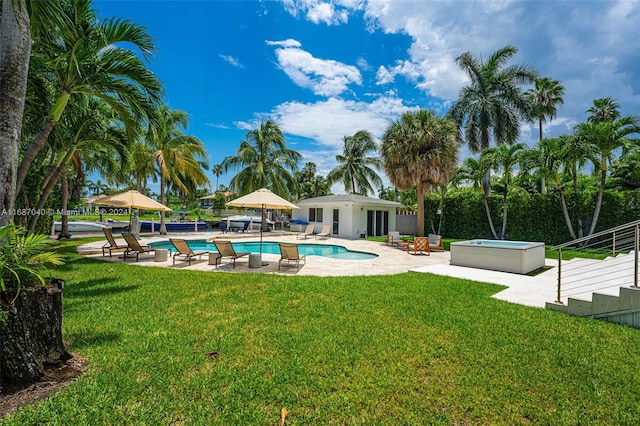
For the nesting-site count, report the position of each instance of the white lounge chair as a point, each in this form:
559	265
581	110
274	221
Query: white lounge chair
308	232
324	233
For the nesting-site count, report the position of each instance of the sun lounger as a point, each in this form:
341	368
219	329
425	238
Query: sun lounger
308	232
289	253
183	249
324	233
226	250
134	247
111	243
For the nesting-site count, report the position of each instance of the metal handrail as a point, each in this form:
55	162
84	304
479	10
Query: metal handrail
615	246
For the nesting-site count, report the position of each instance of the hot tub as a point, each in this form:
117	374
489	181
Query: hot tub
520	257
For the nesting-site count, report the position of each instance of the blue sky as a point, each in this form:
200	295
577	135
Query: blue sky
326	69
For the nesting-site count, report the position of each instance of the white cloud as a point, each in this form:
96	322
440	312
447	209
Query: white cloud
333	12
324	77
231	61
285	43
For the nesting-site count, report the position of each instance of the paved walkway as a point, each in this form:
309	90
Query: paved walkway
526	290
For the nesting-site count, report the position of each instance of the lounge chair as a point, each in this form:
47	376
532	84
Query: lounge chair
133	246
183	249
324	233
111	243
289	253
308	232
226	250
393	239
419	244
435	242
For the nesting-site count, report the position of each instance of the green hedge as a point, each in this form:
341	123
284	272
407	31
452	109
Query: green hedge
530	217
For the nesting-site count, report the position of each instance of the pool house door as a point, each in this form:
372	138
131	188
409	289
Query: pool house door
377	223
336	221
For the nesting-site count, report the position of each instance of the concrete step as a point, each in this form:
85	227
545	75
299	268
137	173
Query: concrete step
629	298
579	307
554	306
602	303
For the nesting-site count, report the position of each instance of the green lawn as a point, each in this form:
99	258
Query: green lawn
389	350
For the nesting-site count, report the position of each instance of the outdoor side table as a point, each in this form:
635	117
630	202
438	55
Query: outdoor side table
255	260
161	255
214	258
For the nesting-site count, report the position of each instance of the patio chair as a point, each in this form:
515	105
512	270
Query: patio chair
419	244
435	242
226	250
393	239
324	233
133	246
111	243
308	232
289	253
183	249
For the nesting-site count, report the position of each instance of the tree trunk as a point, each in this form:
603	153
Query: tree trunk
52	180
31	333
565	212
420	212
15	50
596	213
486	209
163	225
64	203
503	233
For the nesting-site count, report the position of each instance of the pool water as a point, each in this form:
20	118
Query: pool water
325	250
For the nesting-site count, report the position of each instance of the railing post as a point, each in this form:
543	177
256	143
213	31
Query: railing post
614	243
635	266
560	273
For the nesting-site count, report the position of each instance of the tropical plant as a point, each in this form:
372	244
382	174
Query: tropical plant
493	104
86	56
545	96
180	158
217	170
604	109
503	158
22	256
15	50
474	171
264	162
355	169
604	138
421	150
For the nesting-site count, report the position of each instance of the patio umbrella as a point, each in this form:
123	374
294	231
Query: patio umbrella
262	199
132	200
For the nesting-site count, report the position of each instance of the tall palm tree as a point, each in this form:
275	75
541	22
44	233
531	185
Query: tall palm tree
355	170
179	157
217	170
545	97
88	56
503	158
493	104
605	137
604	109
264	162
544	159
421	150
15	50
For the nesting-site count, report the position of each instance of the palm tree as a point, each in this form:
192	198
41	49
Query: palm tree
475	172
265	162
421	150
545	96
503	158
87	56
604	109
355	170
493	104
15	50
605	137
217	170
180	158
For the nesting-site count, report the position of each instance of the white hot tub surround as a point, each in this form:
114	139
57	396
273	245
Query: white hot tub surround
520	257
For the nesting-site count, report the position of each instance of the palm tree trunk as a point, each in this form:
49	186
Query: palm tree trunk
504	217
15	51
420	212
64	203
540	127
486	209
52	179
596	213
163	225
565	212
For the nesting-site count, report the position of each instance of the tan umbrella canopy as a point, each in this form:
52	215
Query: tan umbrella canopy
132	199
262	199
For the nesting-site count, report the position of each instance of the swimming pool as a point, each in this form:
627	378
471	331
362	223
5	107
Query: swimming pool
325	250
